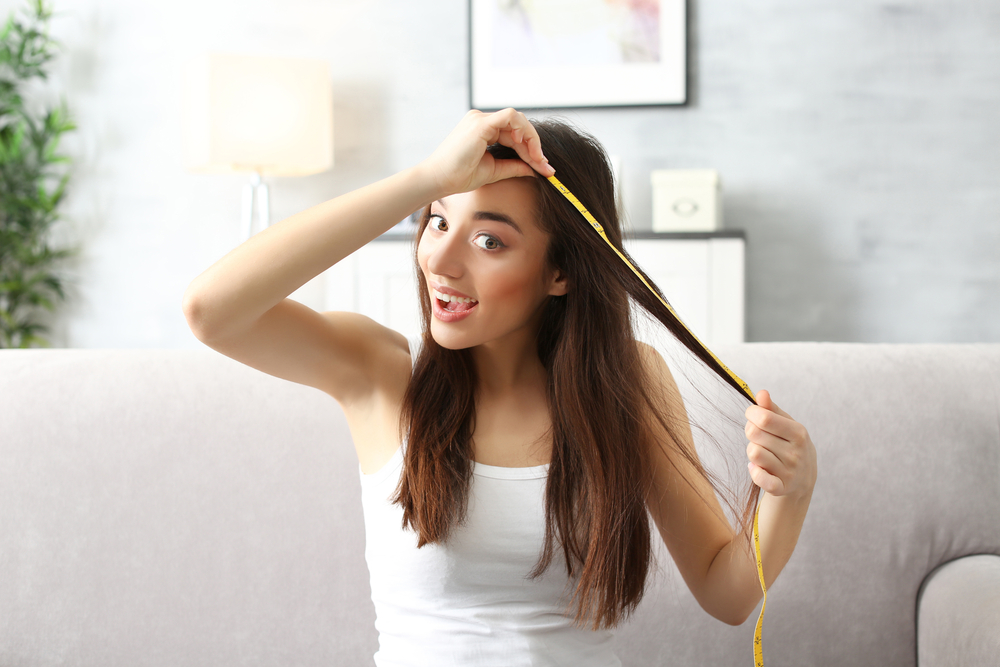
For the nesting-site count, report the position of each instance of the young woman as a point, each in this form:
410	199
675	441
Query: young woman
512	454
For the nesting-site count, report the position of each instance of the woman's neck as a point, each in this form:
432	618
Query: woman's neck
509	365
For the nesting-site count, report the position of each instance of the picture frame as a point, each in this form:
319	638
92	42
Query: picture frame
556	54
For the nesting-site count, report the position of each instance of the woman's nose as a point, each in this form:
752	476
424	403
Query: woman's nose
446	256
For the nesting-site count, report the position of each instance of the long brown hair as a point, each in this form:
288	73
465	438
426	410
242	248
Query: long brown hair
598	392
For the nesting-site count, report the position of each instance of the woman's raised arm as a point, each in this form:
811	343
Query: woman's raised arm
261	272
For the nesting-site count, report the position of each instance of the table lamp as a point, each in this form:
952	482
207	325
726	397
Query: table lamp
268	116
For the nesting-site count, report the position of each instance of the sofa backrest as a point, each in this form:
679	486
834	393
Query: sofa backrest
176	507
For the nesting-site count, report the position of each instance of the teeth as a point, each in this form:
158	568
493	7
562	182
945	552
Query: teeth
447	297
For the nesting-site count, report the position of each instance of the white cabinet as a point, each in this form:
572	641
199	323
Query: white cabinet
702	276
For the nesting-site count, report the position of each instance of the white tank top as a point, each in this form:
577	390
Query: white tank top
469	601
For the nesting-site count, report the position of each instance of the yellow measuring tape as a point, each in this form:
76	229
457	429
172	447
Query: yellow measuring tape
758	652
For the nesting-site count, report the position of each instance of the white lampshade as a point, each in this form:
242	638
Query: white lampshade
259	114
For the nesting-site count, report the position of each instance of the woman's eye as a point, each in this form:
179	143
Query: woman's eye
434	220
491	243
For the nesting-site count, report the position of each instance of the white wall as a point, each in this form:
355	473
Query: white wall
857	143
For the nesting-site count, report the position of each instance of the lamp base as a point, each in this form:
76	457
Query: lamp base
255	186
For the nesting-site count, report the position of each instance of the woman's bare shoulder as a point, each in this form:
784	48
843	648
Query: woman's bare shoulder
373	417
657	370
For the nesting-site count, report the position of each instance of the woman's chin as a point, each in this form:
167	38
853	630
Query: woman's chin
449	339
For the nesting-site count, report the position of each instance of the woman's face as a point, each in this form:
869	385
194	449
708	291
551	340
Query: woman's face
487	245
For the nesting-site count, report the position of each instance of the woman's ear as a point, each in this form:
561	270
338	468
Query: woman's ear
560	284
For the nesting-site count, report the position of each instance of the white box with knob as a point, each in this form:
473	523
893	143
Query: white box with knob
686	200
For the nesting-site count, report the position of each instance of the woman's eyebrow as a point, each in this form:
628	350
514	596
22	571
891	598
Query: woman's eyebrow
489	215
497	217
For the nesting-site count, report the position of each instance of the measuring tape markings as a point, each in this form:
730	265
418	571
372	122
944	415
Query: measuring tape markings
758	652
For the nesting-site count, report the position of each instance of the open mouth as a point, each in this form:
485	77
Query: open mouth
453	304
448	303
457	306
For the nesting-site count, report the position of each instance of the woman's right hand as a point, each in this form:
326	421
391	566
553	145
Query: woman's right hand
461	163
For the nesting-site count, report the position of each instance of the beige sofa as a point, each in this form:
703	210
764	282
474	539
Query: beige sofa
169	508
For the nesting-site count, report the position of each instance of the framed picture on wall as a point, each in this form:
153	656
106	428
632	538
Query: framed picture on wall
545	54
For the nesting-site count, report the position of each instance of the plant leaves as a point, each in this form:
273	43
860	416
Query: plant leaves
29	143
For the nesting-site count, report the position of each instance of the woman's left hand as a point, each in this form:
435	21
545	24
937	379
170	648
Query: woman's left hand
782	455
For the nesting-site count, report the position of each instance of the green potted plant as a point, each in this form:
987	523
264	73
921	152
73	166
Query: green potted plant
29	165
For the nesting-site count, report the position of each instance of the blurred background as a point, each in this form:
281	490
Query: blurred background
857	143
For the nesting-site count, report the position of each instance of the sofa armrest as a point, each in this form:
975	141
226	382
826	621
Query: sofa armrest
958	614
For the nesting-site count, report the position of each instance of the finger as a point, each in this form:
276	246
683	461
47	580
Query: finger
494	125
531	139
513	120
766	459
777	410
534	148
533	142
508	119
761	437
765	480
794	434
764	400
522	136
507	138
510	169
523	150
770	421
